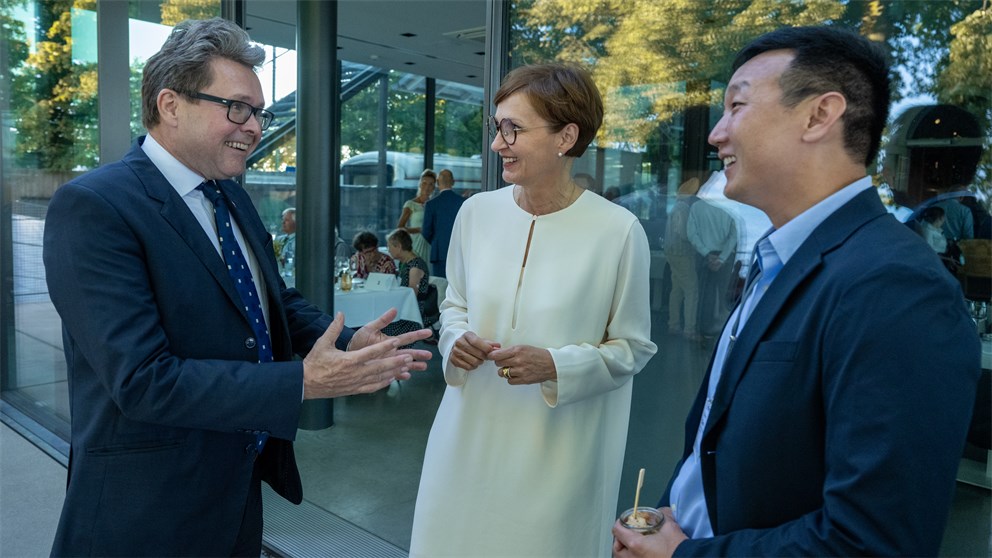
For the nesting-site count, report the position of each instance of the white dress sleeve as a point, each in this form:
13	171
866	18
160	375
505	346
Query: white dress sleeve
587	370
454	309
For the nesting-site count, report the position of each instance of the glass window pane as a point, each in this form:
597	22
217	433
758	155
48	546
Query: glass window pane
662	77
270	178
458	123
382	159
50	135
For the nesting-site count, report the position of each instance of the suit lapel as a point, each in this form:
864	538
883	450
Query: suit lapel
177	214
828	236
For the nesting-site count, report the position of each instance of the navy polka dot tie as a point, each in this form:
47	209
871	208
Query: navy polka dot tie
237	266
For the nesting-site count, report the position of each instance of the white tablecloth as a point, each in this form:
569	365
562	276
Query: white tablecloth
361	306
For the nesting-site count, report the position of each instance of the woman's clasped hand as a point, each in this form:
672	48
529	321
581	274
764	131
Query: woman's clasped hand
524	364
470	351
520	364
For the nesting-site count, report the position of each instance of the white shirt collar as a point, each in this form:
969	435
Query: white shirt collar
179	175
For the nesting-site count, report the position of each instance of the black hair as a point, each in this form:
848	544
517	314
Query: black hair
833	59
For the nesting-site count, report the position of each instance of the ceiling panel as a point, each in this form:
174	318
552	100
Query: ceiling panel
442	39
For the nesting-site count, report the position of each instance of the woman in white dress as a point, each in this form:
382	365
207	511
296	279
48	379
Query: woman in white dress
412	217
545	322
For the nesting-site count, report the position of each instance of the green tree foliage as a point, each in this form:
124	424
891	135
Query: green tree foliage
14	45
966	80
57	124
404	124
653	59
134	86
54	96
966	74
175	11
656	59
457	128
282	156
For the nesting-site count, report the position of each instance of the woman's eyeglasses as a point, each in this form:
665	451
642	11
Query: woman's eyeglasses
239	112
508	130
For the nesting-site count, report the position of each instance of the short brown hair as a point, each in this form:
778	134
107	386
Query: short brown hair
364	240
402	239
561	94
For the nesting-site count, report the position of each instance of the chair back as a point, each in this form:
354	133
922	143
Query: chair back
430	312
442	287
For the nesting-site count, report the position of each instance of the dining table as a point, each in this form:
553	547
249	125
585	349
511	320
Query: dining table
360	305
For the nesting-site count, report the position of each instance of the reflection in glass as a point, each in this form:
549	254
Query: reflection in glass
662	67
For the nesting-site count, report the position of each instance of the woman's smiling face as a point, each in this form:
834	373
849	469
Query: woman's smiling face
534	154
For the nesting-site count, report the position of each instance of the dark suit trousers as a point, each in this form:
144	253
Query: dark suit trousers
437	268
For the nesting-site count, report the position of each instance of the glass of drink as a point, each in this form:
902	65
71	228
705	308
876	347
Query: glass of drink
646	521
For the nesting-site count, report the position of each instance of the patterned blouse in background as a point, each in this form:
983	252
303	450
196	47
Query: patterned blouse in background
405	268
372	262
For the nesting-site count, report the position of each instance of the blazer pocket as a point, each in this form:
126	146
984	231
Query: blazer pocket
135	447
776	351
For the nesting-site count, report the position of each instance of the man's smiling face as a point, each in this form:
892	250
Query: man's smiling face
208	142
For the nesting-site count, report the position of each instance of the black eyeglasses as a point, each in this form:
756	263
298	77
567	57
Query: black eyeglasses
508	130
239	112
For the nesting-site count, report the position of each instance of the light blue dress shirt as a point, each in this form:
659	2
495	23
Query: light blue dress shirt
772	253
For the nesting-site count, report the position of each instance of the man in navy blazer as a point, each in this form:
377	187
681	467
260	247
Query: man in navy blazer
439	219
175	418
834	411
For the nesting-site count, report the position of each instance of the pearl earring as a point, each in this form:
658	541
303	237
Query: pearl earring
560	154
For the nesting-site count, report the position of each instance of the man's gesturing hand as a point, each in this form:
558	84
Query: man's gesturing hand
329	372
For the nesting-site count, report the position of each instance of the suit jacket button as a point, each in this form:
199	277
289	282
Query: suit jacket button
250	343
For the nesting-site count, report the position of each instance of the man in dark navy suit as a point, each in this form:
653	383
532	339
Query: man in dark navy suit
439	218
179	332
834	411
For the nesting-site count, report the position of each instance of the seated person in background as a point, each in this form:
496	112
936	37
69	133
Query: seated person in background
285	244
931	221
413	274
930	226
413	268
341	247
368	258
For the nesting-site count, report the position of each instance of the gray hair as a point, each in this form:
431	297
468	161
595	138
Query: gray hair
183	63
